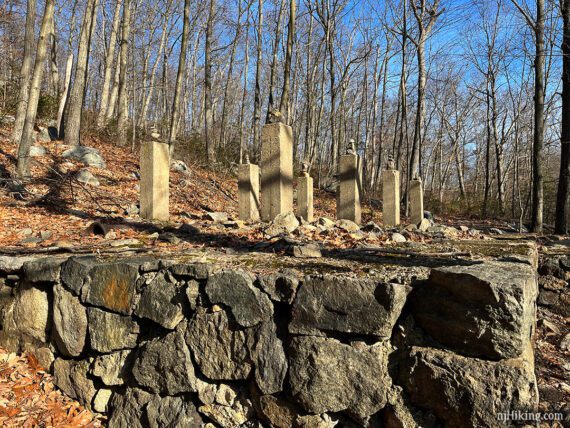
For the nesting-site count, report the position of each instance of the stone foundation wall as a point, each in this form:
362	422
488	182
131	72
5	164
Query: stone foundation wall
171	344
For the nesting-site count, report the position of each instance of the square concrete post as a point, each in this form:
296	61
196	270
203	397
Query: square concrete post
391	197
154	171
348	199
416	201
248	192
305	197
276	170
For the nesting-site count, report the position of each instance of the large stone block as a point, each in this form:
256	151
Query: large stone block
218	347
70	322
391	197
31	312
234	288
348	199
110	332
276	170
268	356
71	377
111	286
347	305
328	376
482	310
248	192
416	201
164	365
463	391
305	197
154	171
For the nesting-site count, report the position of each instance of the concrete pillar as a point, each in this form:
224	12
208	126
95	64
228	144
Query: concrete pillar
248	192
154	171
416	201
305	197
391	197
348	199
276	170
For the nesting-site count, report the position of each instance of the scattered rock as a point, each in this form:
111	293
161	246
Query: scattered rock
234	288
162	301
218	217
180	166
70	322
218	348
550	327
325	222
164	365
130	242
87	155
398	238
463	228
483	310
551	283
347	305
283	224
37	151
372	227
424	225
132	209
169	237
43	135
466	391
565	343
309	251
110	332
328	376
347	225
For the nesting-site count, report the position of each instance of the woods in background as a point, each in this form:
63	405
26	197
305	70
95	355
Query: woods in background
465	95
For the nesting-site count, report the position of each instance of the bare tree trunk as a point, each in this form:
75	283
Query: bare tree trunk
209	114
109	59
64	94
270	106
257	93
179	77
284	104
73	120
54	76
112	104
23	166
122	93
25	72
563	195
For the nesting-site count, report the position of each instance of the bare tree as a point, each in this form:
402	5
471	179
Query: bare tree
122	90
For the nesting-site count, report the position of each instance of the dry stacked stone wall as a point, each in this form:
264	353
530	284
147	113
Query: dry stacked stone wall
159	343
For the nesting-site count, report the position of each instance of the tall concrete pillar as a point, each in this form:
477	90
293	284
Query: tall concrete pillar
248	192
305	197
391	197
154	171
276	170
348	199
416	201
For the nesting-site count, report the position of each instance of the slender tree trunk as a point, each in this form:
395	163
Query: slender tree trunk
25	72
64	95
54	72
75	105
563	196
23	166
538	141
208	104
257	92
109	60
273	68
122	93
284	104
179	77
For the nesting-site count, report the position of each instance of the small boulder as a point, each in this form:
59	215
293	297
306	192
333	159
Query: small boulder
398	238
84	176
88	155
37	151
309	251
283	224
347	225
218	217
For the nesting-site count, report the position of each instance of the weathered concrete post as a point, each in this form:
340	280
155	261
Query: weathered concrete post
276	170
391	195
305	194
248	191
416	201
154	171
348	200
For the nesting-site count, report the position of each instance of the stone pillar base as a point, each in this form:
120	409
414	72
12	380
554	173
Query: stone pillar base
391	197
305	197
276	170
248	192
416	201
348	199
154	171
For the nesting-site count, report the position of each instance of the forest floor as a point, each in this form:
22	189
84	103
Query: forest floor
56	213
